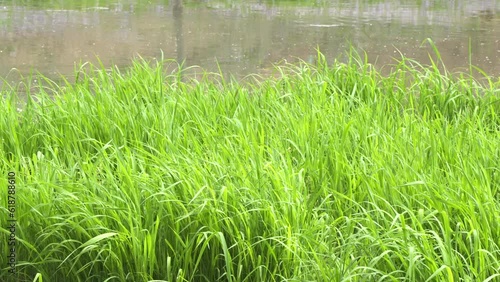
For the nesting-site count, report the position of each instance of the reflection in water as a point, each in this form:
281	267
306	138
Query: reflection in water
243	36
179	32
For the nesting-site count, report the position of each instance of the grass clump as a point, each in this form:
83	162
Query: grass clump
328	173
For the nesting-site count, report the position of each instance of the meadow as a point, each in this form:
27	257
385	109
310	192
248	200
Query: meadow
324	172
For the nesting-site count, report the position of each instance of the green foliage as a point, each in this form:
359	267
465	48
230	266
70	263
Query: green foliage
327	173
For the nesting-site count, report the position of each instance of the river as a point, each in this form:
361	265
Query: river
242	37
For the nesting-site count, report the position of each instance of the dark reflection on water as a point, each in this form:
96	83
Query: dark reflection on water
242	37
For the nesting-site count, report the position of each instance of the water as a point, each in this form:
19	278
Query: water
242	37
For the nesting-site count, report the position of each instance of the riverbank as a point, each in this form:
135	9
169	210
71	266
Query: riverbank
324	174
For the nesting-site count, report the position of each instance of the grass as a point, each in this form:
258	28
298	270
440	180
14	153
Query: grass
327	173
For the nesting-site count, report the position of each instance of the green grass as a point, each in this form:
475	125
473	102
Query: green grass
328	173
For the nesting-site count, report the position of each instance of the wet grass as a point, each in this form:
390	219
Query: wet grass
328	173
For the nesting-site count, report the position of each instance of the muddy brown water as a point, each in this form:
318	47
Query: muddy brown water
242	37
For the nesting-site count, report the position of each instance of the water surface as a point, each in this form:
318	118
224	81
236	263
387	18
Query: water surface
242	37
